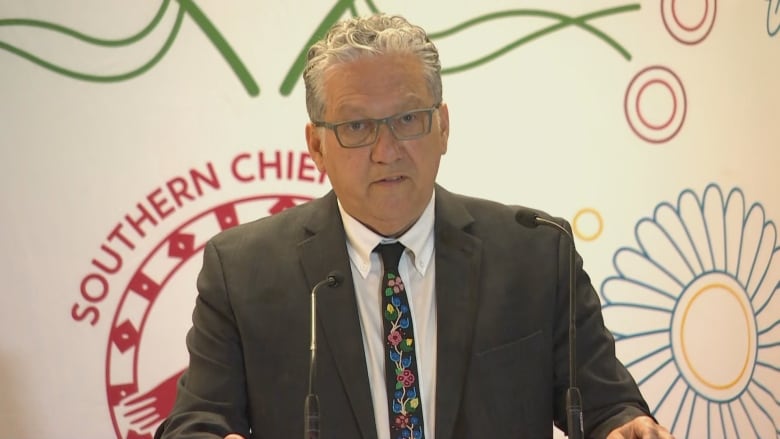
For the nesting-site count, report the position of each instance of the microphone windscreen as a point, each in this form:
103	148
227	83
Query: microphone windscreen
526	218
335	278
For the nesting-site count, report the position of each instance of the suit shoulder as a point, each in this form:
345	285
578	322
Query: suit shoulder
482	208
280	227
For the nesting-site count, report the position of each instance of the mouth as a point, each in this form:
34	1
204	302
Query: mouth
393	179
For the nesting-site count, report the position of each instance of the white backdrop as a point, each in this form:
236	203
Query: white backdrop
129	134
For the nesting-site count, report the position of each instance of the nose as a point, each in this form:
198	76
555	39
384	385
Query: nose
386	149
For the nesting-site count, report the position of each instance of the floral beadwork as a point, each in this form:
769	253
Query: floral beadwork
405	413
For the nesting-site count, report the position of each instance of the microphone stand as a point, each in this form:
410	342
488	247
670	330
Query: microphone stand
576	429
573	396
311	405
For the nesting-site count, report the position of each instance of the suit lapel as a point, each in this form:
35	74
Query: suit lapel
321	253
456	252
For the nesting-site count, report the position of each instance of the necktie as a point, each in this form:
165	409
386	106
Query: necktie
403	395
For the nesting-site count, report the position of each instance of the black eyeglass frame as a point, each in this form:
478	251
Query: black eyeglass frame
378	122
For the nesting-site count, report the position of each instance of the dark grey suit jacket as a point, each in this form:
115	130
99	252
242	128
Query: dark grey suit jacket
502	304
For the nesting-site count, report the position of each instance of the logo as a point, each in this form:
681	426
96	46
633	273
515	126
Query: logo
141	336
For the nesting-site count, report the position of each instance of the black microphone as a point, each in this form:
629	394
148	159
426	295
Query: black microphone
532	219
311	406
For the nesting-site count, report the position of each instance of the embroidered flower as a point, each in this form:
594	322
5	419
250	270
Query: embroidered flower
394	338
396	284
406	377
401	421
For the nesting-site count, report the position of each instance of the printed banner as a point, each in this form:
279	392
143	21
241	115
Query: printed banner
132	133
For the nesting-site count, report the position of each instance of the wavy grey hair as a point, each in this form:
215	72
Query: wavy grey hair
353	38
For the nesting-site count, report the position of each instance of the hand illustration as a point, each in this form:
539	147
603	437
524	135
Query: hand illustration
148	409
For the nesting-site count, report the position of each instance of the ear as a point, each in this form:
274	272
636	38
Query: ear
444	126
314	143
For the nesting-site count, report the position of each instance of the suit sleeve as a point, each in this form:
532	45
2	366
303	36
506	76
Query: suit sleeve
211	397
610	396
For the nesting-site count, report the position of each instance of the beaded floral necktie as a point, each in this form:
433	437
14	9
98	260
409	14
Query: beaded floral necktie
403	389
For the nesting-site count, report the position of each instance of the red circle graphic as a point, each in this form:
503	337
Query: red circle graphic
635	111
646	122
687	34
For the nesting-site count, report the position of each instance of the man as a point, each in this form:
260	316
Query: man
487	353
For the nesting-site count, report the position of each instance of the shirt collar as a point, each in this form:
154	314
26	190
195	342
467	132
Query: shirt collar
418	240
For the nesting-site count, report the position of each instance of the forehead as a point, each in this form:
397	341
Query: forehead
375	86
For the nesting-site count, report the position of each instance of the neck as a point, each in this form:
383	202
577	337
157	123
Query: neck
391	230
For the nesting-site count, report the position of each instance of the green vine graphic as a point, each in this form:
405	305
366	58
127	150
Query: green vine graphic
561	22
185	7
342	7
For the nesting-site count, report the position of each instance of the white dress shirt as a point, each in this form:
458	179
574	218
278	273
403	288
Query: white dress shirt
417	268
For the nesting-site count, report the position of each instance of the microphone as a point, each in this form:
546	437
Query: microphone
311	406
531	220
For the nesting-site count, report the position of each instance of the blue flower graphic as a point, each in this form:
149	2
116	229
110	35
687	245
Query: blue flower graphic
695	316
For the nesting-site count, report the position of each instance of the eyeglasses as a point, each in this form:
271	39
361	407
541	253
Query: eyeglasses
363	132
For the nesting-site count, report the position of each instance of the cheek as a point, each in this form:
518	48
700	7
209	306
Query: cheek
329	157
344	165
429	162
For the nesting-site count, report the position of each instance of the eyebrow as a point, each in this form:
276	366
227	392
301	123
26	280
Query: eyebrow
407	100
411	104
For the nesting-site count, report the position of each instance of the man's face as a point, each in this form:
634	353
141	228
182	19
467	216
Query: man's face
388	184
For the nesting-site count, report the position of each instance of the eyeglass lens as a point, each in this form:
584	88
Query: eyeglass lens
404	127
